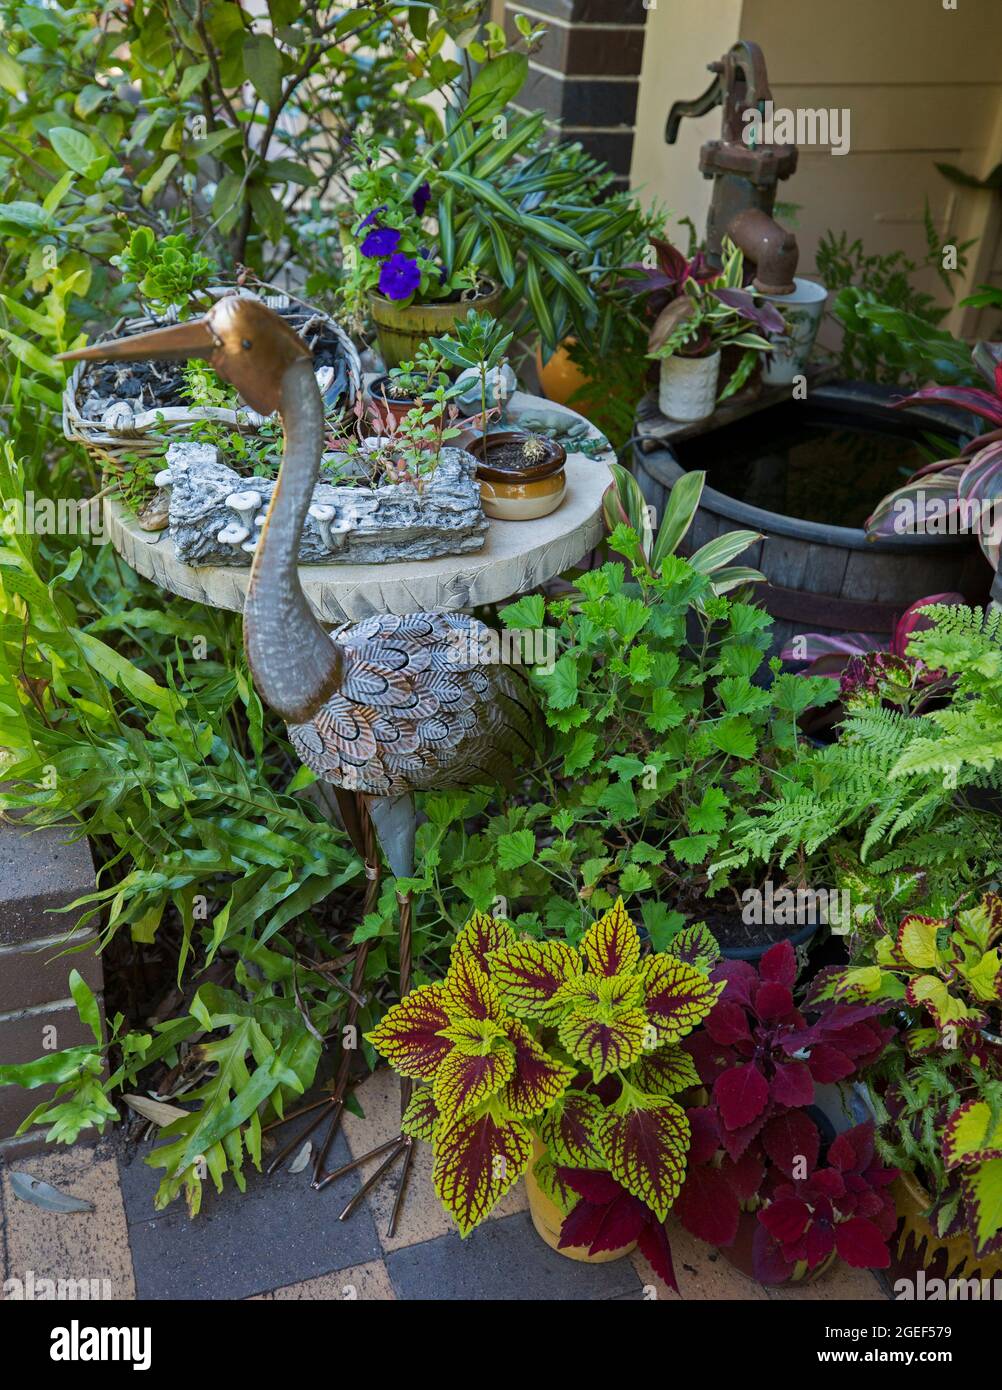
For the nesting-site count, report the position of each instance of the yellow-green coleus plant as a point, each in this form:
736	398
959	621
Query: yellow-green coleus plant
950	968
575	1048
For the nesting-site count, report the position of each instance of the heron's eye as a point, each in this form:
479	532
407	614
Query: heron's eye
247	345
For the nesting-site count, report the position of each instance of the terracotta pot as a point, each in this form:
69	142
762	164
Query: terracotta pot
402	328
739	1255
560	377
548	1221
378	392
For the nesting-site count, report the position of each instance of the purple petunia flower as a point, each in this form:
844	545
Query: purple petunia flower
381	241
421	198
399	277
370	218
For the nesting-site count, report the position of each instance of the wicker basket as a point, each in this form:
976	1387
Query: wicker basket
147	432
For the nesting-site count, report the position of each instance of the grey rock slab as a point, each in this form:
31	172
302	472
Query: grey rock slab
277	1233
506	1260
516	557
216	513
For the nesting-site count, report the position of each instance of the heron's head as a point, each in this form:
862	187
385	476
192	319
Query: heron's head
247	344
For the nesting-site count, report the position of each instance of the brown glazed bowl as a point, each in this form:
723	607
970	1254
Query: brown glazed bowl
518	493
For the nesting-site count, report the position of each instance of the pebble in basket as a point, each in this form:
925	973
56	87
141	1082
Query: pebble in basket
134	410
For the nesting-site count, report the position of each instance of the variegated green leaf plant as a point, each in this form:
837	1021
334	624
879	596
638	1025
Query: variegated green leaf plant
532	1047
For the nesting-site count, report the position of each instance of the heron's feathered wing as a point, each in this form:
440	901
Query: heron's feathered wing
421	706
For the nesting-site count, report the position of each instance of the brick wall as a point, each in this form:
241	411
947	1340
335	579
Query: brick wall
39	871
586	73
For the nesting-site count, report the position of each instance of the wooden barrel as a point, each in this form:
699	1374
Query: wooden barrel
826	578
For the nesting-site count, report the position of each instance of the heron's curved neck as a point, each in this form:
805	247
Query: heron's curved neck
295	665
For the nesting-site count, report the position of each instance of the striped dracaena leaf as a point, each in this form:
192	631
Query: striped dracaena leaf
483	934
422	1115
907	510
677	996
647	1149
467	991
604	1040
537	1080
478	1157
528	975
611	945
475	1069
409	1036
571	1131
665	1072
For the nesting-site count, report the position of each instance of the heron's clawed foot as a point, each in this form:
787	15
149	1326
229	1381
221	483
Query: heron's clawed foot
401	1147
331	1108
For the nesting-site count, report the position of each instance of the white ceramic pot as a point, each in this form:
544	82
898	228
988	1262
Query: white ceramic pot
803	311
689	387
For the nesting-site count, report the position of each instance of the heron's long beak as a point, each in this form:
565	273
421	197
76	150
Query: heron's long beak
177	343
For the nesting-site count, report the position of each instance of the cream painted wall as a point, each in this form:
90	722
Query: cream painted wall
676	52
922	84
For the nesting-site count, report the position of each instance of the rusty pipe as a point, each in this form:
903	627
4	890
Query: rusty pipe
772	248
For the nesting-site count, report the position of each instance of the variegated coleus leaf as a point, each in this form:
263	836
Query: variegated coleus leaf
547	1174
647	1150
929	992
483	934
478	1157
982	1189
665	1072
409	1035
467	990
571	1131
482	1060
696	945
604	1040
528	975
537	1080
611	946
421	1116
595	994
971	1137
677	996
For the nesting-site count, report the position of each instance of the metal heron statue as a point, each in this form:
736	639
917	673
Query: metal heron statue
380	708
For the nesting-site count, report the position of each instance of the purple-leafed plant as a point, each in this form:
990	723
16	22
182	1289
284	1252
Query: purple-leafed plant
759	1059
955	493
872	670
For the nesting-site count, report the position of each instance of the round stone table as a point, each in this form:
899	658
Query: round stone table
516	556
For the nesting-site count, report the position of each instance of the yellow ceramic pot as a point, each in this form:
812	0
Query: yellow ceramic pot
912	1202
523	501
402	328
548	1221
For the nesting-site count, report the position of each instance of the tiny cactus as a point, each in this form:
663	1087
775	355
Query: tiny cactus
534	450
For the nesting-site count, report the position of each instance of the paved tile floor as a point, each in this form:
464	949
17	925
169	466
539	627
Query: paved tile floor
283	1241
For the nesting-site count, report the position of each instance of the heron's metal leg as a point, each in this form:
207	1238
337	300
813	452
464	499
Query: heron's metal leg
402	1146
332	1107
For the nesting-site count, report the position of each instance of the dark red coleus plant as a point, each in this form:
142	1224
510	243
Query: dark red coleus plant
845	1208
759	1058
607	1217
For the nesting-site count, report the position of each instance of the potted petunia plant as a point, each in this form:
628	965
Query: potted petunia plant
494	215
560	1063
